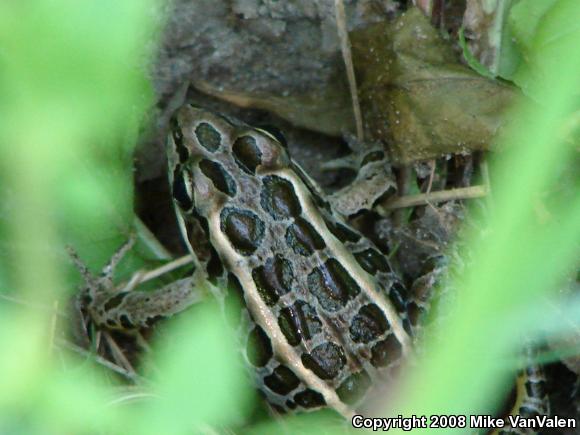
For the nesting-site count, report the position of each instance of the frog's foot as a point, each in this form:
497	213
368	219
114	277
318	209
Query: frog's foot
374	180
94	285
531	398
350	162
353	160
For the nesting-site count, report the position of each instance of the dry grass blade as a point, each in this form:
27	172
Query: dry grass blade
347	56
119	356
471	192
166	268
100	360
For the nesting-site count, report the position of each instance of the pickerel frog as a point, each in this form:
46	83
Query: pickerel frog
324	314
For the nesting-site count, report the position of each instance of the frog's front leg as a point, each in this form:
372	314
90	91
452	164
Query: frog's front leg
132	310
112	307
374	179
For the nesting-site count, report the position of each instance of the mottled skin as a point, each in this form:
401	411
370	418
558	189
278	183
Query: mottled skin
324	315
324	308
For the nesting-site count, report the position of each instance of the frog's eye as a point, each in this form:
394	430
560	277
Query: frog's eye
273	133
182	188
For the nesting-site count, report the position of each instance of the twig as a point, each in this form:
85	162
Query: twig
150	240
485	175
347	57
433	197
34	305
120	358
426	6
403	177
433	164
141	277
53	322
133	397
100	360
486	183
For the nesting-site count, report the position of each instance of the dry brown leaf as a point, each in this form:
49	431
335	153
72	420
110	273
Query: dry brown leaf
418	98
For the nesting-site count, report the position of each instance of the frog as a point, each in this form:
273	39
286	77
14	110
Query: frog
321	314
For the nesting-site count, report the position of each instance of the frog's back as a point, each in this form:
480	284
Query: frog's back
324	312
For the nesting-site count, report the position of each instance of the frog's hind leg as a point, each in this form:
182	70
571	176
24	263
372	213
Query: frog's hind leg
133	310
374	180
122	308
108	272
531	387
531	399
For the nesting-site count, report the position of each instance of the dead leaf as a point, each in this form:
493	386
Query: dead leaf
417	97
327	109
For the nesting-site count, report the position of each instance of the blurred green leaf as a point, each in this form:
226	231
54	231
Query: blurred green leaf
202	380
320	422
535	26
517	255
525	17
73	89
470	58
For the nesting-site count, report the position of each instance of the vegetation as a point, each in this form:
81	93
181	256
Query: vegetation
73	95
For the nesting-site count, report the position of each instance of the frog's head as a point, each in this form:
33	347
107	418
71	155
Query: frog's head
212	158
220	172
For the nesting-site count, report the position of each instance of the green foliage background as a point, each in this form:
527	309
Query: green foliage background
73	93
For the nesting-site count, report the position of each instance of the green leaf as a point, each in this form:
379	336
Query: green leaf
470	58
201	378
